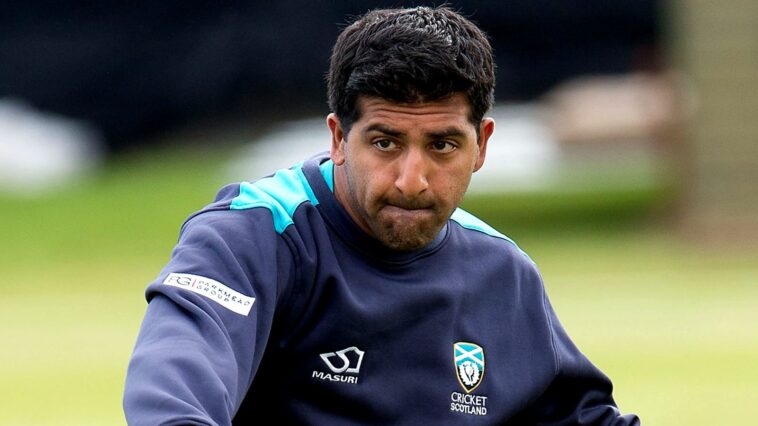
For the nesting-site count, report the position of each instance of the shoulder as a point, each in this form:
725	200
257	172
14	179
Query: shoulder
281	193
270	201
479	233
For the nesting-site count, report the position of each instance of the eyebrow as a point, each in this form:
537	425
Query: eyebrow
446	133
381	128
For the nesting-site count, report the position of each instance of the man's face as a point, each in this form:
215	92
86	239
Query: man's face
403	168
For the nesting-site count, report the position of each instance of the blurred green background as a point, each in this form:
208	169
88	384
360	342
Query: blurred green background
672	322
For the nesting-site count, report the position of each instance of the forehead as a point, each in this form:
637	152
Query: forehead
452	110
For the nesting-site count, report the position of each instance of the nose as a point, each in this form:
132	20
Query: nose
412	176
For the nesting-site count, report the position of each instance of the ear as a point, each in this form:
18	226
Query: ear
338	139
486	128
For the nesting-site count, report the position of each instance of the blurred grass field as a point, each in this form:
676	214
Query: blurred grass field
675	325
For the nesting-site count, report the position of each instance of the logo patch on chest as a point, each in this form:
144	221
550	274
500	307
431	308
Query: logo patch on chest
469	364
344	365
468	360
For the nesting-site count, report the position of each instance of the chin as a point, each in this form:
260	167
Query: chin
406	245
407	240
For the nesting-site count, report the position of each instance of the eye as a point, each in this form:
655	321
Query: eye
443	147
385	144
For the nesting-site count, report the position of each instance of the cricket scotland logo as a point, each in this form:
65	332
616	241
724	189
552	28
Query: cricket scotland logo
469	364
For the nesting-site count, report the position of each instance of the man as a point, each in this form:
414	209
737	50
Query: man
350	289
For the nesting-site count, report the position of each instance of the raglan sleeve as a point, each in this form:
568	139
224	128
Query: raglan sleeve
208	319
579	394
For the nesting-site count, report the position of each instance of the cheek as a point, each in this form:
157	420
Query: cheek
373	181
376	188
455	185
363	187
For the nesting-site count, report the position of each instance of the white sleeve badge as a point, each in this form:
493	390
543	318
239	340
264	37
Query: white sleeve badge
212	289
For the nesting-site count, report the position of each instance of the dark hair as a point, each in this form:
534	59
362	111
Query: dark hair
410	55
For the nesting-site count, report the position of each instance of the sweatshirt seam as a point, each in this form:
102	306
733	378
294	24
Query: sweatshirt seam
556	356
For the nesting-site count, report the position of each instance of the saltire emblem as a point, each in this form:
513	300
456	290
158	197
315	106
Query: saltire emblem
469	364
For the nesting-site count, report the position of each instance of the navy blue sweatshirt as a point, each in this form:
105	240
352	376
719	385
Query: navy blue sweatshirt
275	303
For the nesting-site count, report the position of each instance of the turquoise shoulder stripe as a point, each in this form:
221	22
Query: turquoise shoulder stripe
281	193
327	170
469	221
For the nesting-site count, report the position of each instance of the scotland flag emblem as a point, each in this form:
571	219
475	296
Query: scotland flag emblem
469	364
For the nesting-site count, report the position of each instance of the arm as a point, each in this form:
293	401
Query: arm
196	353
579	394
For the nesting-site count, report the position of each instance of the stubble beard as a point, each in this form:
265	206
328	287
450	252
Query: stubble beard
400	231
407	234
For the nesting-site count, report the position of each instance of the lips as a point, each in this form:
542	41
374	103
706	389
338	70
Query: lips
411	205
409	208
406	213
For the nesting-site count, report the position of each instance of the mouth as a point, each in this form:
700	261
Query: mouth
410	205
408	208
409	212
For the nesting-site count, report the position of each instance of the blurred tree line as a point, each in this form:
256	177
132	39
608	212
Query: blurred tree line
138	68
